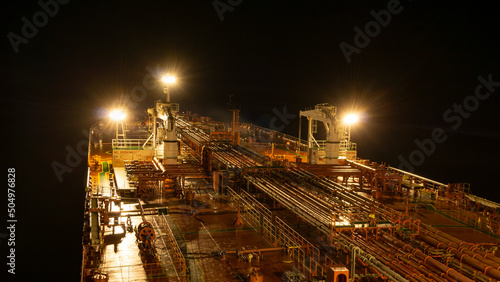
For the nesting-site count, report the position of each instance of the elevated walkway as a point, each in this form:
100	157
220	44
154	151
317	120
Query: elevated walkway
123	186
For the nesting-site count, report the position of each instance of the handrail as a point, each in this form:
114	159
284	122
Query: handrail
144	145
175	246
131	144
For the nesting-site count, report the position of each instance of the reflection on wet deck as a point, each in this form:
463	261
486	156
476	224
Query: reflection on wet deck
122	259
199	238
121	256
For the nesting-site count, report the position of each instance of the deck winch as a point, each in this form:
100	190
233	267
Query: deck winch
145	233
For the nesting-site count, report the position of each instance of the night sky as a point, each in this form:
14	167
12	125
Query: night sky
413	70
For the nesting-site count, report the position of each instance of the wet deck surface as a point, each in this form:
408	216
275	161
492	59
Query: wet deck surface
121	257
122	261
201	239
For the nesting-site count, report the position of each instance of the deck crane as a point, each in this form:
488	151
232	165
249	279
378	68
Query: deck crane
327	114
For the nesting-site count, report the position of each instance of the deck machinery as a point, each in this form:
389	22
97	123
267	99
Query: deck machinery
318	218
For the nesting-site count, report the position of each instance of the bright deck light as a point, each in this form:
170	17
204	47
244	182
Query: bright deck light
350	119
117	115
168	79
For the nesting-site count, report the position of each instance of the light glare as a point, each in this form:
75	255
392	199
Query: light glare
350	119
168	79
117	115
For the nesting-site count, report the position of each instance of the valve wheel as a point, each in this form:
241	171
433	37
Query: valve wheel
146	229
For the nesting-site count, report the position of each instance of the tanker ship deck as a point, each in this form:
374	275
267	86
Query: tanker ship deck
214	202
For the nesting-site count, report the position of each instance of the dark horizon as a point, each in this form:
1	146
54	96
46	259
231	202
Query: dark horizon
423	61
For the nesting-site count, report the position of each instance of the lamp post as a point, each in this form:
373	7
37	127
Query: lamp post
168	80
117	116
349	120
166	112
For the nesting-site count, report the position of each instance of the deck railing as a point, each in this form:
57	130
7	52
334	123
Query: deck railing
299	250
132	144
